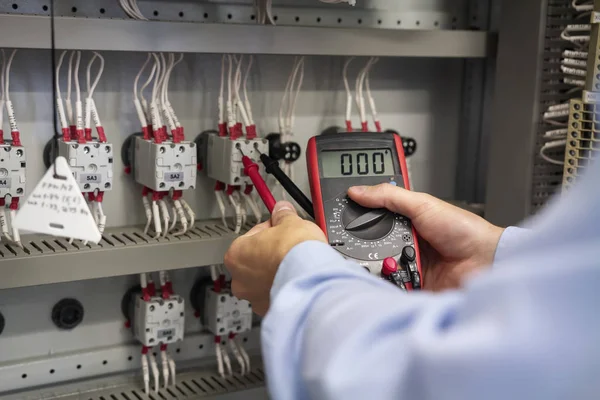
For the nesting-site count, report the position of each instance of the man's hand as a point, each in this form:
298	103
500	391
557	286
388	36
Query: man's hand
254	258
454	243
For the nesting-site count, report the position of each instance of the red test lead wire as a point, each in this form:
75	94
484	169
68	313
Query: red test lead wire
251	169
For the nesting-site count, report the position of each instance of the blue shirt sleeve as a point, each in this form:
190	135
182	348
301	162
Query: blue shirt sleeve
508	242
335	332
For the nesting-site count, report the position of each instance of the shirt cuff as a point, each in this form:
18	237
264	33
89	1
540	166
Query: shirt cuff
510	238
304	259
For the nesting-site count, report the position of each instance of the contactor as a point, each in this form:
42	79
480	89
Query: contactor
12	170
225	313
91	164
165	166
158	321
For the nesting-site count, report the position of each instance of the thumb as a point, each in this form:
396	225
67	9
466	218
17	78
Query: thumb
398	200
282	211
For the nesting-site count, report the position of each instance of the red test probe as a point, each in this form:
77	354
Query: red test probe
251	169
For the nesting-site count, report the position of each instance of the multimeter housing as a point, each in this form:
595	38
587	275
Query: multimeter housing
365	236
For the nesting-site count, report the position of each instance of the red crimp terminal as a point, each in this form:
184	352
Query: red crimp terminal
217	339
217	286
231	189
156	196
80	136
100	197
378	126
365	126
200	167
164	292
251	169
181	133
127	324
163	347
16	138
2	202
145	294
151	289
101	134
66	134
14	203
145	349
145	133
177	194
219	186
91	196
249	189
127	170
223	129
251	132
390	266
88	134
1	136
175	135
231	335
349	126
145	191
73	129
169	287
156	134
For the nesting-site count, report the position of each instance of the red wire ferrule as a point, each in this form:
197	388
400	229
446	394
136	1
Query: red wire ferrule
248	189
217	339
163	347
378	126
145	294
156	196
91	196
365	126
223	129
151	289
145	133
251	132
145	191
1	136
14	203
145	350
349	126
177	194
231	189
16	138
88	134
73	129
156	134
181	133
231	335
219	186
100	197
2	202
66	132
169	287
101	134
80	136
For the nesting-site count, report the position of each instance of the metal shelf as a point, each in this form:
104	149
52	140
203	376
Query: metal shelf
122	251
128	35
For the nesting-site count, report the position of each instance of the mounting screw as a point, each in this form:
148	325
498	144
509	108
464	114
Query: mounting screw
107	185
151	308
86	149
107	149
20	153
162	150
20	191
170	306
161	185
86	186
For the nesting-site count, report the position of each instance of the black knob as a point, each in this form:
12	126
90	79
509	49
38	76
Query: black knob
67	314
366	223
409	254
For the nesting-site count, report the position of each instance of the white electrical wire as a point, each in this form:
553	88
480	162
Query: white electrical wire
68	102
146	373
191	215
59	102
348	92
238	356
156	219
219	355
370	98
246	99
221	203
238	214
244	353
226	360
173	369
551	145
582	6
165	215
164	358
155	373
78	104
182	218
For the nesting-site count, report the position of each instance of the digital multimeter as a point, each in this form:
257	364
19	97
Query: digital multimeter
339	161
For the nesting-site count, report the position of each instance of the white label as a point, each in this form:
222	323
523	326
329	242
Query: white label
57	207
90	178
595	17
591	97
173	176
5	183
165	333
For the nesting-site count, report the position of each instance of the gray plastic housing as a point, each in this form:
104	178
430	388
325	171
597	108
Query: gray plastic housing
158	321
224	158
165	166
13	161
224	313
91	164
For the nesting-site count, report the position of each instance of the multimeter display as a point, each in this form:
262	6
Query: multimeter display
356	163
339	161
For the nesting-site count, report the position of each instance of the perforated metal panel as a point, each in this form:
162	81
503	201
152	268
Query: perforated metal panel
190	386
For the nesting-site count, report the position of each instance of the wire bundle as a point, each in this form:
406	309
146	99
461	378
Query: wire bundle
264	12
5	102
132	10
235	114
362	83
159	124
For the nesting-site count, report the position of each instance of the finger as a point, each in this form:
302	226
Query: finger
258	229
282	211
401	201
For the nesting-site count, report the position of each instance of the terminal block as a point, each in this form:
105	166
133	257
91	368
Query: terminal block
91	164
583	139
222	157
225	313
164	166
12	170
158	321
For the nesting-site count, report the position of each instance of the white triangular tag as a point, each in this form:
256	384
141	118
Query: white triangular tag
56	207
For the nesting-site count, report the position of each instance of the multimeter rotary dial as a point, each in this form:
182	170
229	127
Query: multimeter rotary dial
365	223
